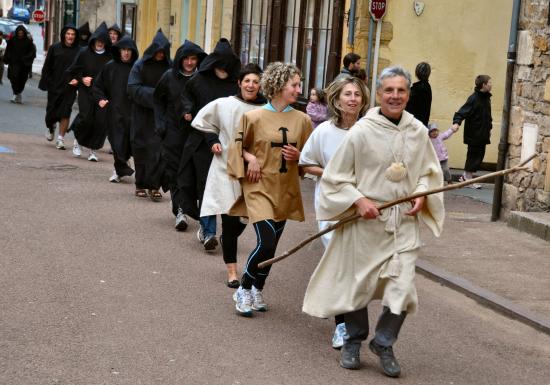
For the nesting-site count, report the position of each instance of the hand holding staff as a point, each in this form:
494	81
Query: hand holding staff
353	217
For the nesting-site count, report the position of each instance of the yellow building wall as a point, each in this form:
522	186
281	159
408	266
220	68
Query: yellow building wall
460	40
152	15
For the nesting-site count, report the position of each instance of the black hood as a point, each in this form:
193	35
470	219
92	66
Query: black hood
101	33
84	30
224	58
65	29
159	43
25	32
116	28
125	42
188	48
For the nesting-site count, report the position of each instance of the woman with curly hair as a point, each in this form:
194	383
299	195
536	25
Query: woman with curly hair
264	158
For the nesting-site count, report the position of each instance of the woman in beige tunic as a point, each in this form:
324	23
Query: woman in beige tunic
264	158
386	155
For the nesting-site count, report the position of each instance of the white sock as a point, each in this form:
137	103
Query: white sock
59	137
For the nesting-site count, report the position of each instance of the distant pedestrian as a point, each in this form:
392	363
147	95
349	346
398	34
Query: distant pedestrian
477	129
420	101
352	64
90	125
19	56
3	46
146	141
317	108
440	149
84	34
109	91
55	80
115	33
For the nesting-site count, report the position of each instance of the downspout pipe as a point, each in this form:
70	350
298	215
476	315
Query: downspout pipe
505	124
351	22
369	53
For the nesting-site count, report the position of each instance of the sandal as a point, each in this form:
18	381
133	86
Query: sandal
141	193
156	196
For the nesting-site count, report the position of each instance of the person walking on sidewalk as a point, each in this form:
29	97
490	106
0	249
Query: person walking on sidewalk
386	155
55	81
420	102
19	56
352	64
477	129
440	149
109	92
3	46
264	158
146	142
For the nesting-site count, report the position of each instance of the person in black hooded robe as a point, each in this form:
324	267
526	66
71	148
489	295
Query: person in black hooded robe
145	140
84	34
216	78
169	119
90	125
55	81
109	91
115	33
19	55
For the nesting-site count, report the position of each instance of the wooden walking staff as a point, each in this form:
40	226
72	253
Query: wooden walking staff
353	217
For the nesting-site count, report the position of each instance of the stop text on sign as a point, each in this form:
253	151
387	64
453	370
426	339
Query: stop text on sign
377	9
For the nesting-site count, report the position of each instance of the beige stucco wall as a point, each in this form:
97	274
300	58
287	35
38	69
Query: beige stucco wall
96	11
460	39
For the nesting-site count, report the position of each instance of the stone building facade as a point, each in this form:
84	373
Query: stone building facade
530	112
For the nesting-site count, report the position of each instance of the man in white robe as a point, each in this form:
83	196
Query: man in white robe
386	155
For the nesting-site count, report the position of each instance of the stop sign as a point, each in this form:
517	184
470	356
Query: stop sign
38	16
377	9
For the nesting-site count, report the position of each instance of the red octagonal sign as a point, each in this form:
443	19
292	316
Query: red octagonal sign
38	16
377	9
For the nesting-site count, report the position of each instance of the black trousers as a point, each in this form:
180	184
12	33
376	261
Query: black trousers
232	227
474	157
268	233
18	76
387	328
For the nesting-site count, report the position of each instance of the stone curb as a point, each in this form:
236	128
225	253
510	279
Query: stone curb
537	224
483	296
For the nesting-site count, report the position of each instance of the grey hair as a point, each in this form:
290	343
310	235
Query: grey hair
391	72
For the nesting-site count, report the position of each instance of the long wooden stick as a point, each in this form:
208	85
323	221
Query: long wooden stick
353	217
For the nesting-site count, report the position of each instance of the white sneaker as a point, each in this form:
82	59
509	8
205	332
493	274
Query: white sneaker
258	302
200	235
93	157
243	301
50	133
14	99
115	178
77	151
181	221
60	144
338	337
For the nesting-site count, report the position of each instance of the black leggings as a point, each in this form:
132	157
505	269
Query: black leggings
268	233
232	227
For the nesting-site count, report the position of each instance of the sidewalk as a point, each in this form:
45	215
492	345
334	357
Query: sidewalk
489	261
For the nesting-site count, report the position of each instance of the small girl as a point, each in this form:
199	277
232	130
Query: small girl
317	107
440	149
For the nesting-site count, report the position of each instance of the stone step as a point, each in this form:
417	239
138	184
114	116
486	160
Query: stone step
534	223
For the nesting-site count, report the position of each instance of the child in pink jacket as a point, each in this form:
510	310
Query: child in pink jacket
440	149
317	107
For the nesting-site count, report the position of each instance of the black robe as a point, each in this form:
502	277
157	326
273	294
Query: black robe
169	117
200	90
420	101
19	56
110	85
90	125
55	80
84	35
145	140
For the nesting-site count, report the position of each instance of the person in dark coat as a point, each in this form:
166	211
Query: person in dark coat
115	33
90	125
216	78
477	129
169	119
55	81
109	92
84	34
420	101
145	140
19	55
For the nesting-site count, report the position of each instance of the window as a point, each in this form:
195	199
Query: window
129	20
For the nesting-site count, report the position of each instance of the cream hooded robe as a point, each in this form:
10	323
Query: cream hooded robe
374	259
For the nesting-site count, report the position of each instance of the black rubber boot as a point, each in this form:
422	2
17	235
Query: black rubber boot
388	362
349	356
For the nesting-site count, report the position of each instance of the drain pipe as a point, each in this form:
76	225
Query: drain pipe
351	23
369	53
505	124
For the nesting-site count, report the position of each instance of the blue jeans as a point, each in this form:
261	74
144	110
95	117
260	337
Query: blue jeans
208	225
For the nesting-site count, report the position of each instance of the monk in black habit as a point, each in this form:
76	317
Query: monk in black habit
169	119
84	34
19	55
90	125
115	33
109	91
146	141
216	78
55	81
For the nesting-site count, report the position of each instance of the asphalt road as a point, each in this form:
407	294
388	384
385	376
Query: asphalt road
97	288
